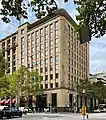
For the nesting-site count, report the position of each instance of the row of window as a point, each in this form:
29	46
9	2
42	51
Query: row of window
51	85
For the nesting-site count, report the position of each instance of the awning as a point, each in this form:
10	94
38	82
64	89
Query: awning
2	101
14	100
7	101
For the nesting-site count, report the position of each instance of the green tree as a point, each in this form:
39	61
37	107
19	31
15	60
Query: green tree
21	83
32	85
96	89
92	13
99	90
4	85
2	65
18	8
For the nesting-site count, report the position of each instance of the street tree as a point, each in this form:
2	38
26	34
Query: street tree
2	65
95	90
4	85
92	13
32	85
22	83
18	8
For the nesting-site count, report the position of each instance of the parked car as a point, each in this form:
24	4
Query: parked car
2	107
11	112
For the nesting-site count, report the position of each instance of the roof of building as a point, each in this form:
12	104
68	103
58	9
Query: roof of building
59	12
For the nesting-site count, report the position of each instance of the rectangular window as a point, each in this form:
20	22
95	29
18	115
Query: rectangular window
28	44
51	68
37	41
37	63
51	43
46	69
37	33
46	38
46	53
32	36
41	54
57	49
37	56
8	58
22	40
37	48
68	77
56	25
57	59
29	58
51	76
22	47
57	41
57	67
32	43
51	36
28	51
56	75
41	46
46	86
46	44
32	50
51	28
57	84
51	85
46	61
22	53
56	34
14	56
41	70
22	31
28	37
51	59
46	77
22	60
41	32
51	51
28	65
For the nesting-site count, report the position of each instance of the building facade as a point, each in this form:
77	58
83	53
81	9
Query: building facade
52	47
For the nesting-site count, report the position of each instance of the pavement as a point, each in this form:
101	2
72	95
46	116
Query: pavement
61	116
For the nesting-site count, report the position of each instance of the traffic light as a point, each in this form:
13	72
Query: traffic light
65	0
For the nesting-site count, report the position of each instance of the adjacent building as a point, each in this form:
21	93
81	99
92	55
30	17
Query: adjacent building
52	47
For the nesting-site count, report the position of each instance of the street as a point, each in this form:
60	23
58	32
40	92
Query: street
65	116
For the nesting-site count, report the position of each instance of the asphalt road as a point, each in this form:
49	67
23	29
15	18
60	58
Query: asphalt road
96	116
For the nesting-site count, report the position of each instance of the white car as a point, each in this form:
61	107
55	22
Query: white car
2	107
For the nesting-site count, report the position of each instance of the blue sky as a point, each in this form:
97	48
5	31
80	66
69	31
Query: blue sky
97	46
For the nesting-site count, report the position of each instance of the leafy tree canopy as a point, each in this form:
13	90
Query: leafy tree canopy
92	13
95	89
2	65
18	8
